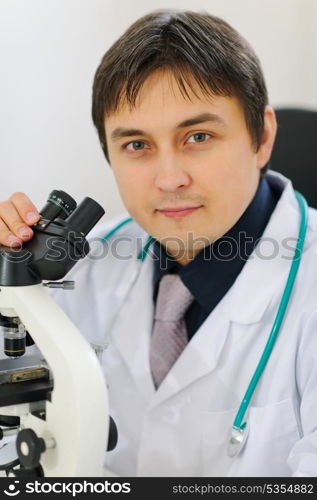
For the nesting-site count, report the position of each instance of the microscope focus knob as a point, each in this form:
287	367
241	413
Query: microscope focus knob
36	472
113	435
29	448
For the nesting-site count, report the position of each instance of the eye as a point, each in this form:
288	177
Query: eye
136	146
198	137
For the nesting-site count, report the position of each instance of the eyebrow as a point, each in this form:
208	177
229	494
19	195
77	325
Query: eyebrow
120	132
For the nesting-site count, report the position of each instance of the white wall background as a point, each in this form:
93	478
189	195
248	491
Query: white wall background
49	50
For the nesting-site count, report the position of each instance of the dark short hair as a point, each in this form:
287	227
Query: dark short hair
191	45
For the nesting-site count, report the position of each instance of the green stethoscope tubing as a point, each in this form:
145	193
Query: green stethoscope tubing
143	253
237	424
238	421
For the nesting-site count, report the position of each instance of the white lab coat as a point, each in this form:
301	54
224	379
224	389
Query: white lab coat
182	429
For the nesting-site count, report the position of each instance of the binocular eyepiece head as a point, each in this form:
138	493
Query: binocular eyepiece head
58	242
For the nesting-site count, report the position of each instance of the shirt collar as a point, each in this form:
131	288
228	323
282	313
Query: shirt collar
215	268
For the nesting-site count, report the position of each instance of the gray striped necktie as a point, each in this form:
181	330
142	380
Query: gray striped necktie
169	336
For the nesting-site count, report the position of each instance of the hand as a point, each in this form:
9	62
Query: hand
17	214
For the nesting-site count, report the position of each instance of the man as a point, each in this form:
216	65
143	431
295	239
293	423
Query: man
181	109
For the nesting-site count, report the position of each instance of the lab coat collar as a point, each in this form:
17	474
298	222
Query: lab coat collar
269	264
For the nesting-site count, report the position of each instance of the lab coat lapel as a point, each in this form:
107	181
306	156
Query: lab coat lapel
131	332
268	267
199	357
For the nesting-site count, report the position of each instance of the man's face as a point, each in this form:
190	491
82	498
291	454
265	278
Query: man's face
186	169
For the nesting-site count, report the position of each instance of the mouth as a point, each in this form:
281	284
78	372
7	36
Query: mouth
178	212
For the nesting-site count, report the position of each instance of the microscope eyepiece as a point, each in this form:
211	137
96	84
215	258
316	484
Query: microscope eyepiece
85	216
59	204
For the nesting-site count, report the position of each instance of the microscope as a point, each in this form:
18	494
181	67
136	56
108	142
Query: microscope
54	418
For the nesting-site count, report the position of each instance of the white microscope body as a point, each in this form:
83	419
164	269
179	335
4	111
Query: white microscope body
76	424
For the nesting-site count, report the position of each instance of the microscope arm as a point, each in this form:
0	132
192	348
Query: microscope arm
77	419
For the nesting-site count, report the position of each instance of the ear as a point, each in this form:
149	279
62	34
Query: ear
268	137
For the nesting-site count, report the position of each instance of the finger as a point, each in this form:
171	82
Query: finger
6	237
26	209
13	221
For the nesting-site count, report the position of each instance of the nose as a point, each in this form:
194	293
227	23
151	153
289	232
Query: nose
170	174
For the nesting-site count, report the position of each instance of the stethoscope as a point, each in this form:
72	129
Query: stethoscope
240	430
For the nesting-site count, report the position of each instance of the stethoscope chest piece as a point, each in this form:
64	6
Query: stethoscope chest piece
237	440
